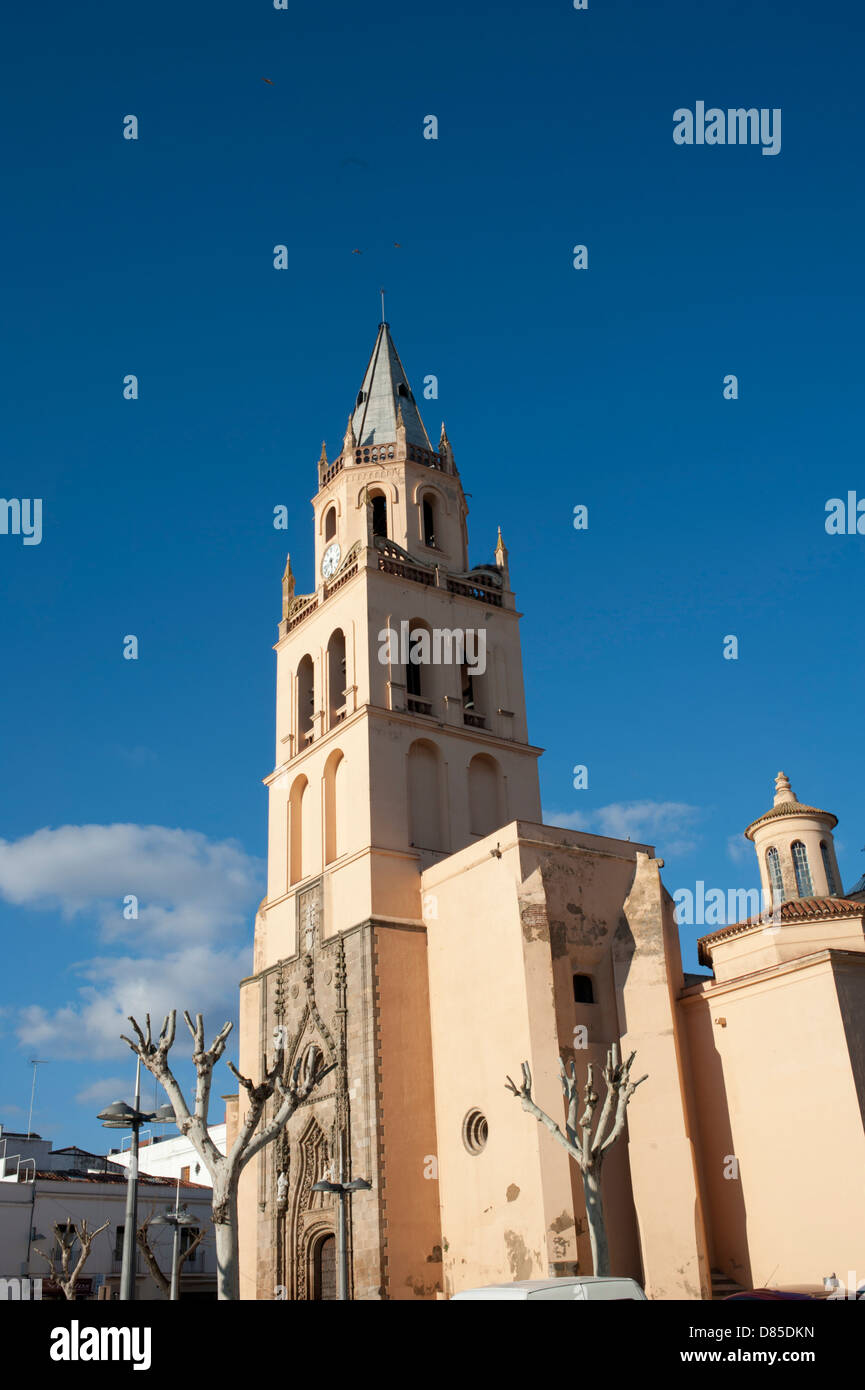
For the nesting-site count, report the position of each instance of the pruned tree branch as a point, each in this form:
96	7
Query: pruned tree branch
143	1242
67	1280
190	1249
525	1094
585	1148
162	1280
225	1169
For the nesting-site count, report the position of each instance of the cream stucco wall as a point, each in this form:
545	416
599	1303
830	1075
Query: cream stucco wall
778	1094
506	935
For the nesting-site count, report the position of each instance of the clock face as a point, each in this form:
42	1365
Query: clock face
330	559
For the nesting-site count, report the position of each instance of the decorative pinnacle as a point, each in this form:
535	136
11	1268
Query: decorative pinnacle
323	455
783	790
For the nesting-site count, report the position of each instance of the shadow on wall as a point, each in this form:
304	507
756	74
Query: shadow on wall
727	1222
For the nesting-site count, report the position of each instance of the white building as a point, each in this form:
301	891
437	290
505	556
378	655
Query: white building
42	1189
172	1156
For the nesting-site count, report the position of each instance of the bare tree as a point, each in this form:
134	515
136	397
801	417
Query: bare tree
225	1169
162	1281
588	1151
66	1237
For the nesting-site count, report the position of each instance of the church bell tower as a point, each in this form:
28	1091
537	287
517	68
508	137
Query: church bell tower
400	738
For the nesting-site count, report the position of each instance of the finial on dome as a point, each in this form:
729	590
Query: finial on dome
783	790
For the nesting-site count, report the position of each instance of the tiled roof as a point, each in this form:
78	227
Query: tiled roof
796	910
790	808
144	1179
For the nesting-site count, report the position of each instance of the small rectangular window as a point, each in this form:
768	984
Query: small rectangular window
583	991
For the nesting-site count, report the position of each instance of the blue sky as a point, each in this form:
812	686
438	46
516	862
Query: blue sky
559	387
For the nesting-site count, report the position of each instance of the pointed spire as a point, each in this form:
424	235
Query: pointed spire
287	587
349	443
445	451
385	392
323	455
502	559
783	790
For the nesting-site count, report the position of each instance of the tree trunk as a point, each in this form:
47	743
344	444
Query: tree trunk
225	1231
595	1216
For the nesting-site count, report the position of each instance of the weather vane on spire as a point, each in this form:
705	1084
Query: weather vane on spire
382	303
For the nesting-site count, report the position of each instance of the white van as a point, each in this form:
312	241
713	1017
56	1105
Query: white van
586	1290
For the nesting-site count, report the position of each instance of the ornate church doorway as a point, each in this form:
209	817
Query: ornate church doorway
324	1269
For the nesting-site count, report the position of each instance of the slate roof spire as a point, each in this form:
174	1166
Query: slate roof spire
384	394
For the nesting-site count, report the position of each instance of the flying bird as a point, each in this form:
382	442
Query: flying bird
268	81
355	252
397	243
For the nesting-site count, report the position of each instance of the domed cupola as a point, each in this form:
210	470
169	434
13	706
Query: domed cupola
795	848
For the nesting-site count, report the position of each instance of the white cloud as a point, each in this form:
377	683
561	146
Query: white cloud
567	820
194	930
200	978
739	849
103	1092
669	825
187	886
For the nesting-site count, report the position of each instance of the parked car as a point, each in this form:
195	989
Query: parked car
581	1290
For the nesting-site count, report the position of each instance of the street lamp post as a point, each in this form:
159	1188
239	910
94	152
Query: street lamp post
34	1062
178	1218
122	1116
343	1190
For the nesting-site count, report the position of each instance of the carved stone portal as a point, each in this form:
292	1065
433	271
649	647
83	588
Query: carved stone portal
311	1215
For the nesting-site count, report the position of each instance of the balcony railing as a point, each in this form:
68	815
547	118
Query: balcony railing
389	562
383	453
478	591
416	704
342	578
375	453
330	473
405	571
301	612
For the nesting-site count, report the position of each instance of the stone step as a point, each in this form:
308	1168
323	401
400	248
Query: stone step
723	1285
